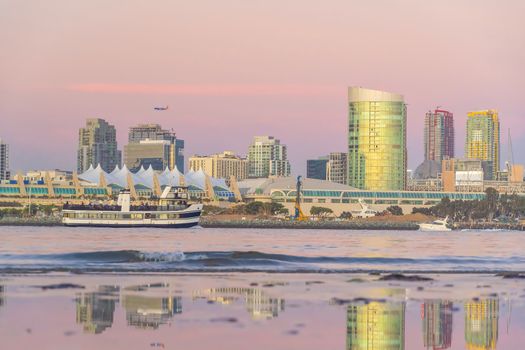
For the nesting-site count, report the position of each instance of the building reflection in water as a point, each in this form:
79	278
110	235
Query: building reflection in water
258	304
437	324
2	300
149	312
95	309
377	325
481	324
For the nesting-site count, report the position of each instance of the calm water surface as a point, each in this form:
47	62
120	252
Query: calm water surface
259	311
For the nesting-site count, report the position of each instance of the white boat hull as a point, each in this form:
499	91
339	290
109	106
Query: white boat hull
434	228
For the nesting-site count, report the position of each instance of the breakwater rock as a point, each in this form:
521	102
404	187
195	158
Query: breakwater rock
31	221
318	225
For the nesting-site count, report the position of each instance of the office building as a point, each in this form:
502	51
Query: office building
267	157
316	168
221	165
439	135
150	145
438	142
4	161
97	144
377	154
337	169
483	139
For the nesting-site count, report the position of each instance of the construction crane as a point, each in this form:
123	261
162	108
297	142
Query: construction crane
510	156
299	215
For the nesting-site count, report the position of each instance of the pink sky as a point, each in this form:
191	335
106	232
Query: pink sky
233	69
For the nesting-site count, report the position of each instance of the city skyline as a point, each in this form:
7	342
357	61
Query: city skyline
54	81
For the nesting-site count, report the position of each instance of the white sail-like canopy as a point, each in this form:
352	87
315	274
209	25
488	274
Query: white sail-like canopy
145	178
196	179
170	177
92	175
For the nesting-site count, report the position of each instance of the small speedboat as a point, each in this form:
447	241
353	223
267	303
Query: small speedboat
437	226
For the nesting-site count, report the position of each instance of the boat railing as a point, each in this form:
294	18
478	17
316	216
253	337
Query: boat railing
106	207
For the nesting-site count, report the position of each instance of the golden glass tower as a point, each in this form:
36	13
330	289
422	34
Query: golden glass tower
483	141
377	154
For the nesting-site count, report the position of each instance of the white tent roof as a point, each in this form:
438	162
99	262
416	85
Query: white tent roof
144	177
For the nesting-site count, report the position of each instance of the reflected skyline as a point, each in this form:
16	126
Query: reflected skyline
437	324
481	324
150	312
258	304
376	326
2	301
95	310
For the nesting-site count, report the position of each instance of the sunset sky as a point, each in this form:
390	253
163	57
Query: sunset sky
232	69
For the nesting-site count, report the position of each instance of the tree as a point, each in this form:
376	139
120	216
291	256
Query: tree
320	211
491	202
424	211
395	210
346	215
254	208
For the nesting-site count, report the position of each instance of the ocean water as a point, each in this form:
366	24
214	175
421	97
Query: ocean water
233	289
62	249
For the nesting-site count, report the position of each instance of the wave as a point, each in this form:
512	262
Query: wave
245	259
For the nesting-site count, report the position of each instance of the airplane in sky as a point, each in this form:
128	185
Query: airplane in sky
161	108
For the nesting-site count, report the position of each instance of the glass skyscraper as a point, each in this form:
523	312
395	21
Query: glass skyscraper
483	139
377	155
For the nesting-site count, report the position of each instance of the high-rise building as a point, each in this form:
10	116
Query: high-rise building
316	168
221	165
483	138
376	325
4	161
337	169
97	144
149	144
377	154
437	324
439	135
267	157
481	324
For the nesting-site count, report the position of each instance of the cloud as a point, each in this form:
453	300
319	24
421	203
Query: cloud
209	89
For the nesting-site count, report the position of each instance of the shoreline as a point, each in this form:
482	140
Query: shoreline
207	222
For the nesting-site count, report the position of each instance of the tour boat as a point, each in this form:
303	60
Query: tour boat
172	211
